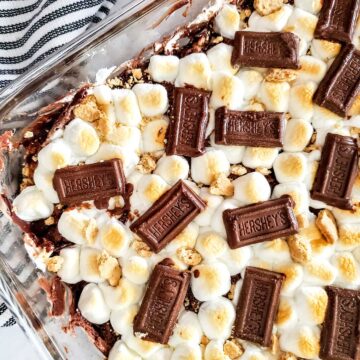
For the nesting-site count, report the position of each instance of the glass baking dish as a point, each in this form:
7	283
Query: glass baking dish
118	38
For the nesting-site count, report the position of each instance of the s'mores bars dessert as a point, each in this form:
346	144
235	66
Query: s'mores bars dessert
204	202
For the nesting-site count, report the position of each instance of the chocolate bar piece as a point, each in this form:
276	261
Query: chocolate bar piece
337	171
102	180
168	216
162	303
250	128
337	20
186	134
266	49
341	84
340	335
258	305
260	222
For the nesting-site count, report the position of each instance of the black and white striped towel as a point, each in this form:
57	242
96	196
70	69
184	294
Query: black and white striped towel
30	30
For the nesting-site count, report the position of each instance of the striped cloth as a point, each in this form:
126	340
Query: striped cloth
30	30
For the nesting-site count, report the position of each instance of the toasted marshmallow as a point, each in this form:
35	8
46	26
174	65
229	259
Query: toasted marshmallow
126	107
81	137
256	157
311	69
187	351
297	135
154	135
210	281
302	23
312	6
323	118
233	153
227	21
120	352
227	91
187	330
172	168
162	354
89	268
294	277
300	104
251	188
163	68
212	202
205	168
136	269
324	50
215	351
348	270
251	80
298	193
92	305
187	238
236	259
122	320
70	269
289	167
275	21
319	272
72	226
142	347
346	216
103	94
194	69
274	251
217	317
152	99
43	180
217	222
275	95
302	341
127	136
211	245
220	58
55	155
349	236
287	316
124	295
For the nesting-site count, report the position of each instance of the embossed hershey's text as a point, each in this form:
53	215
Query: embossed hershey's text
261	47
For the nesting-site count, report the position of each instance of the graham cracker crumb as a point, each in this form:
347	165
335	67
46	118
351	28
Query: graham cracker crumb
88	109
49	221
326	223
263	171
231	293
54	263
147	164
300	249
275	346
115	82
287	356
109	268
189	256
90	231
204	340
137	73
302	221
233	349
141	248
280	75
238	170
222	186
266	7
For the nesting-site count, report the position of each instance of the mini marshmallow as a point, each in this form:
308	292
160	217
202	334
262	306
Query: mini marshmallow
233	153
348	270
311	69
103	95
152	99
126	136
187	351
324	118
126	107
212	202
302	341
274	251
275	21
215	351
251	80
89	268
321	248
216	318
302	23
164	68
256	157
349	236
187	330
220	58
92	305
194	69
298	133
43	180
187	238
275	95
153	135
162	354
31	205
210	280
205	168
211	245
81	137
142	347
122	320
294	277
324	50
252	353
120	352
251	188
298	193
312	6
236	259
55	155
217	222
300	104
70	269
287	316
72	226
136	269
319	272
347	216
290	167
227	21
172	168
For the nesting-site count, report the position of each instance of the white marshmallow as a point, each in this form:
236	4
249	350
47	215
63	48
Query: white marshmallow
253	353
122	320
126	136
136	269
205	168
153	135
319	272
142	347
216	318
302	23
287	316
163	68
220	58
212	202
311	69
227	21
312	6
209	281
324	118
187	330
348	270
324	50
172	168
126	107
256	157
275	251
72	225
251	188
92	305
211	245
289	167
81	137
103	94
121	352
217	222
215	351
194	69
251	80
70	269
55	155
275	95
300	104
233	153
349	236
298	133
89	268
294	277
43	180
236	259
187	238
345	217
275	21
162	354
187	351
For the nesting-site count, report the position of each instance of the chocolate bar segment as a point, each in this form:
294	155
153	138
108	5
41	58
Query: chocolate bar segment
340	335
168	216
186	134
337	20
162	303
250	128
260	222
266	49
341	84
337	171
258	305
98	181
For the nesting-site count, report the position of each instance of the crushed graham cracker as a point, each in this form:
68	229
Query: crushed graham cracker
147	164
281	75
300	249
238	170
189	256
266	7
141	248
54	264
233	349
222	186
88	109
109	268
326	223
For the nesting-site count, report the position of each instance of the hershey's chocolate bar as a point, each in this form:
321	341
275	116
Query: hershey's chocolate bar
186	134
168	216
337	171
341	84
250	128
258	305
266	49
260	222
101	180
340	335
162	303
337	20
